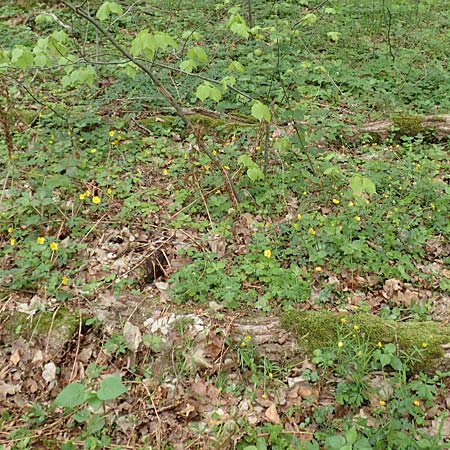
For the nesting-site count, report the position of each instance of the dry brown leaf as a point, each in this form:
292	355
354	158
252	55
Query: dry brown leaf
271	414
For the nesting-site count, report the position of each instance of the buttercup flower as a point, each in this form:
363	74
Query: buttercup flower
336	201
311	231
12	242
64	281
40	240
96	200
268	253
112	133
340	344
357	218
54	246
382	403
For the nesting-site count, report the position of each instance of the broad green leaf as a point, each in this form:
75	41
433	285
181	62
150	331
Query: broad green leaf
334	35
164	40
215	94
71	396
227	81
42	19
237	25
236	66
22	57
188	65
83	75
95	424
351	435
143	41
198	54
108	8
255	174
130	69
308	19
111	387
360	185
246	161
260	111
203	91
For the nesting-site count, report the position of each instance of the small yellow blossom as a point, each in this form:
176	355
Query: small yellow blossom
311	231
12	242
357	218
336	201
96	200
264	395
382	403
114	142
218	192
64	281
165	171
379	345
82	196
270	375
367	202
206	167
214	152
258	148
247	338
87	193
243	344
305	193
268	253
350	204
112	133
40	240
356	327
318	269
416	403
93	150
10	230
433	206
81	139
299	217
51	142
233	138
343	320
340	344
424	345
295	225
109	191
226	167
54	246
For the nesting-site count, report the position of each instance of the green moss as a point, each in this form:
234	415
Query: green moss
319	329
53	330
408	125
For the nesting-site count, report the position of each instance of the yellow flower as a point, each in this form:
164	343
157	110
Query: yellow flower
96	200
12	242
109	191
343	320
299	217
340	344
247	338
305	193
10	230
264	395
379	345
350	204
206	167
382	403
217	192
40	240
318	269
112	133
258	148
243	344
226	167
54	246
357	218
233	138
82	196
81	140
87	193
93	150
268	253
214	152
336	201
424	345
311	231
165	171
295	225
356	327
270	375
416	403
114	142
64	281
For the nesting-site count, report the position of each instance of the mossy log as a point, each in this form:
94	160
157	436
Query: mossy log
435	126
321	329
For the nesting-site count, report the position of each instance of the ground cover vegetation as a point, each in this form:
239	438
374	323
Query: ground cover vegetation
183	184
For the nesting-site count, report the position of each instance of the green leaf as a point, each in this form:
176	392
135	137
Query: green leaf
236	66
360	185
188	65
237	25
255	174
334	443
22	57
215	94
95	424
111	387
308	19
198	54
351	435
260	111
203	91
71	396
107	9
334	35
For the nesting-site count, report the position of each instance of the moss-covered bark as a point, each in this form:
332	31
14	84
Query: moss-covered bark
321	329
